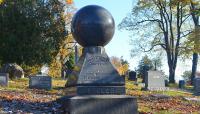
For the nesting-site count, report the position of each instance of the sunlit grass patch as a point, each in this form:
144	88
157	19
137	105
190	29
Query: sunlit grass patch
173	93
23	84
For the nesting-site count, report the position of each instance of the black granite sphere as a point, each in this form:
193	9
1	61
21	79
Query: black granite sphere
93	26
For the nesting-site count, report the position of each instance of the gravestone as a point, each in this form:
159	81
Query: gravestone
132	76
4	79
166	83
181	84
100	88
155	80
40	82
197	86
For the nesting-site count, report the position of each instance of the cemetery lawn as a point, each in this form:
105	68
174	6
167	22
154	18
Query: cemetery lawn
172	101
18	98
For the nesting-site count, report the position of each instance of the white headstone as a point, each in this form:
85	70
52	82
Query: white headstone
155	80
3	79
44	69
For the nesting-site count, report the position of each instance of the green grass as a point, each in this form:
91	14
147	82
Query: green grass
173	85
189	87
144	107
170	112
173	93
23	84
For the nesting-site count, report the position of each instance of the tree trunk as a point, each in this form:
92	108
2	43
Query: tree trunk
172	68
171	74
194	66
195	18
62	73
155	66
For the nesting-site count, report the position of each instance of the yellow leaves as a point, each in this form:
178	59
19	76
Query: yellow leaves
77	68
193	42
69	1
1	1
66	47
184	1
55	68
195	2
121	68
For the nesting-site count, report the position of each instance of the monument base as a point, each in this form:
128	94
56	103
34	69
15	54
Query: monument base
101	104
101	90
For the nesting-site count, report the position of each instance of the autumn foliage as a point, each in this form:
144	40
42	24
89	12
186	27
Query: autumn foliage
69	1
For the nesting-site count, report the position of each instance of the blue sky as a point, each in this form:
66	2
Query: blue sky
119	45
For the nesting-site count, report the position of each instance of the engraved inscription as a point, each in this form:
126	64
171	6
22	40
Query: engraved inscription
101	90
156	77
97	60
42	82
93	76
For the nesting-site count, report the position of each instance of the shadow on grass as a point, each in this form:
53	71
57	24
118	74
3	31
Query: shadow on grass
24	106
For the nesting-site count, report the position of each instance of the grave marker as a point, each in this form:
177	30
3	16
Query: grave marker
181	84
4	79
40	82
155	80
132	76
197	86
100	88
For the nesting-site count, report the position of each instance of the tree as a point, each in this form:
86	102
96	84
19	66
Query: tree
159	23
120	64
65	55
31	31
144	65
125	66
195	16
157	63
187	75
192	46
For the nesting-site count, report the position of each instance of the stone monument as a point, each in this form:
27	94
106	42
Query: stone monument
197	86
100	88
155	80
181	84
4	79
41	80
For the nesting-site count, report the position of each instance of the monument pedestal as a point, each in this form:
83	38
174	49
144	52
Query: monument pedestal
101	104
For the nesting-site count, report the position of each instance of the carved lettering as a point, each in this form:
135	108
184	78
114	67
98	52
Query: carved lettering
97	60
102	90
40	82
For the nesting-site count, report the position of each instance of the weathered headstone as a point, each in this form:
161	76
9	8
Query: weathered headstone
155	80
197	86
181	84
4	79
132	76
100	88
40	82
14	70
